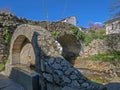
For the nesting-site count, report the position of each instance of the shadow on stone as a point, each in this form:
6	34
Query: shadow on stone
30	81
71	46
113	86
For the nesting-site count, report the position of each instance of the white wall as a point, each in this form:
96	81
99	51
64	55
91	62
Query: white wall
71	20
113	27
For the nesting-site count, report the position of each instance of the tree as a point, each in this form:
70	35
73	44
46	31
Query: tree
115	8
94	25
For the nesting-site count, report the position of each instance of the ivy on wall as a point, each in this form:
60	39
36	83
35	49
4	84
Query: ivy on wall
55	34
6	35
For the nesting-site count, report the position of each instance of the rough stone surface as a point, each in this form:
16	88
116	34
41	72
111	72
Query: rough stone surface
73	76
69	88
109	43
94	47
66	79
8	23
85	84
48	77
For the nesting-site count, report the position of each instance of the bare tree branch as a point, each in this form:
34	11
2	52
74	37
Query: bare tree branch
115	8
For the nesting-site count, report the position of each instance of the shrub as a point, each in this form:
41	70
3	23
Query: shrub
55	34
77	33
92	36
107	56
101	31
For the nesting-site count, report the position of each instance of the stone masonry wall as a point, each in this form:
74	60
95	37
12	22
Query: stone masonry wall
10	22
61	73
112	42
109	43
95	47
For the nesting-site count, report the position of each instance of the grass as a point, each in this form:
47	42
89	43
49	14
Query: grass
106	56
89	37
96	80
96	77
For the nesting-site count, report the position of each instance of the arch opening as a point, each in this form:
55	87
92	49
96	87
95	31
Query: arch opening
71	46
23	55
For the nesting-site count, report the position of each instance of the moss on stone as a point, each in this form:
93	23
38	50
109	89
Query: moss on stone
1	67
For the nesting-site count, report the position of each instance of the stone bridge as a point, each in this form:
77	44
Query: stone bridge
33	49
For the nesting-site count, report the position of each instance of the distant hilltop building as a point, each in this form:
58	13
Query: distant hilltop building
70	20
113	26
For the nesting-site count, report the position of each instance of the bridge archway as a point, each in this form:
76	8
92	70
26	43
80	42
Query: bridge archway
22	36
22	51
71	46
18	44
29	45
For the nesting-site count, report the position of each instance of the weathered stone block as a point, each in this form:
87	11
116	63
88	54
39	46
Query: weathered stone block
73	76
70	88
53	87
66	79
48	77
30	81
85	85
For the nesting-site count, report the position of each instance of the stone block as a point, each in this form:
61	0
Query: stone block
70	88
30	81
53	87
48	77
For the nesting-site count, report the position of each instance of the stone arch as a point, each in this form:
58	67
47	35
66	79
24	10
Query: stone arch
71	46
21	47
40	40
18	44
22	36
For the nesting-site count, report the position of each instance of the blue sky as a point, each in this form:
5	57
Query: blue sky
85	10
